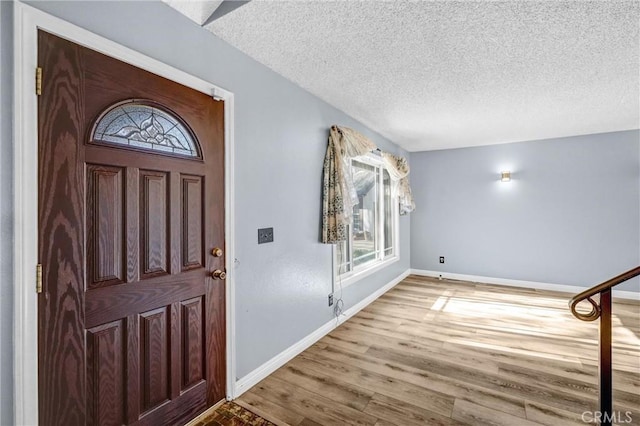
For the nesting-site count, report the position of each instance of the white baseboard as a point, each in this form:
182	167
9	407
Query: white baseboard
251	379
247	382
520	283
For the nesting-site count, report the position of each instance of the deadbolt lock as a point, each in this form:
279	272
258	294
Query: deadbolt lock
218	275
217	252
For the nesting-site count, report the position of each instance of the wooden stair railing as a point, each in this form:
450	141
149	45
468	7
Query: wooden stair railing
603	311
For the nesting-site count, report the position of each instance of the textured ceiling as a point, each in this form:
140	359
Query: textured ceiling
434	75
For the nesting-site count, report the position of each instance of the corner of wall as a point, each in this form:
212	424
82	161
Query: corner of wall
6	211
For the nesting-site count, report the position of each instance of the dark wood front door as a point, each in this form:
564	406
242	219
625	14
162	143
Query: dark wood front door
131	204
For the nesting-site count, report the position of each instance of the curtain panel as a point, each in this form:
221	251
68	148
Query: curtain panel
405	197
333	193
399	172
338	191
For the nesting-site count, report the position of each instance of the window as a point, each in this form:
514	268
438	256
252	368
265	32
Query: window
374	225
145	125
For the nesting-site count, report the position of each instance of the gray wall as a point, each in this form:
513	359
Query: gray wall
281	136
6	195
570	215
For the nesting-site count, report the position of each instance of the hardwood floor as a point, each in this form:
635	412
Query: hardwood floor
433	352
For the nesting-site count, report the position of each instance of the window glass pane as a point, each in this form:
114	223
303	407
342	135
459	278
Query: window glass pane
364	213
388	213
140	124
344	256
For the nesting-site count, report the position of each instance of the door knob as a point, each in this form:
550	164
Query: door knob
217	252
218	275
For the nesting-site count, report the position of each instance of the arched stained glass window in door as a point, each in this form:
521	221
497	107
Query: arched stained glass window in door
145	125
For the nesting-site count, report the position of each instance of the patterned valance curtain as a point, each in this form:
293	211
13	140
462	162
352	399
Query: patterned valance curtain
399	172
338	191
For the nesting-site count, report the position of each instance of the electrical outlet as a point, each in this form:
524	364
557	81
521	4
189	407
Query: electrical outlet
331	300
265	235
441	259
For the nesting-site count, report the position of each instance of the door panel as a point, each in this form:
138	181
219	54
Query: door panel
155	331
192	226
105	227
154	236
106	374
137	337
192	342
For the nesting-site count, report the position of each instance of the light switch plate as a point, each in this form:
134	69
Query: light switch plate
265	235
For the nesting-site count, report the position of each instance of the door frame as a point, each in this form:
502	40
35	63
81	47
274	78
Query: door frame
27	21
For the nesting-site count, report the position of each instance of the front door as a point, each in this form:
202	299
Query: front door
131	210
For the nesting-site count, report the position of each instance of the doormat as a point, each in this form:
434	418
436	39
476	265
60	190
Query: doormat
231	414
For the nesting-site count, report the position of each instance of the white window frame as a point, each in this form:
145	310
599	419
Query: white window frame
361	271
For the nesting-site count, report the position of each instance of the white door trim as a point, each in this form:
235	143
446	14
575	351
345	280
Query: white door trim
27	20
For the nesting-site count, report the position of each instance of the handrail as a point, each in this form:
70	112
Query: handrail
602	310
595	308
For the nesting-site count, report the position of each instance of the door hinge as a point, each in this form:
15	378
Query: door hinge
39	278
38	81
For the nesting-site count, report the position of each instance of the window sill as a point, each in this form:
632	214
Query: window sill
354	277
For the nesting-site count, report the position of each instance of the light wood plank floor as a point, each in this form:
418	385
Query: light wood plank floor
433	352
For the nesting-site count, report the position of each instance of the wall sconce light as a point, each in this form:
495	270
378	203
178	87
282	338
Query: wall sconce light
506	176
